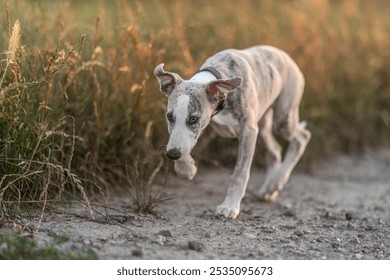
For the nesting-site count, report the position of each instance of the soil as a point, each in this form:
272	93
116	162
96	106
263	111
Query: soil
338	211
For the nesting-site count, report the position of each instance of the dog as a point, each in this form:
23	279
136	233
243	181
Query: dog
242	94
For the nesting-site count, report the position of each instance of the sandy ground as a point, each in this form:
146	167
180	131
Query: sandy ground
342	211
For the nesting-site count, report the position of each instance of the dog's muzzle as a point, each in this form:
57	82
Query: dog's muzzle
174	154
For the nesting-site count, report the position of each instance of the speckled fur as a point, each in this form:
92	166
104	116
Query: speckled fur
267	100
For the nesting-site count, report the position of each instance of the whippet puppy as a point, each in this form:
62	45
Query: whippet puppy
241	93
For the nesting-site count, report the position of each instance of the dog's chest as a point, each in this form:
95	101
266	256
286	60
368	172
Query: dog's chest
225	125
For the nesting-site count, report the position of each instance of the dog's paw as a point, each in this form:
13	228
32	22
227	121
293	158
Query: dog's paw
270	196
272	187
227	211
185	169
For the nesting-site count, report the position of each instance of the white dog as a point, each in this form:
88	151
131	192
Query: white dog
242	93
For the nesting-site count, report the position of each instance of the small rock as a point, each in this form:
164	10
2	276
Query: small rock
329	215
348	216
208	235
335	245
358	256
119	218
138	252
195	245
289	213
166	233
114	236
247	211
380	255
299	232
87	242
160	240
261	253
250	236
97	246
319	239
268	230
294	237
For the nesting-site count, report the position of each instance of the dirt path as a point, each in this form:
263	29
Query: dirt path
340	212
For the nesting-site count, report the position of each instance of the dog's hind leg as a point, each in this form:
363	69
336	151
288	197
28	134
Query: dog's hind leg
286	123
298	137
273	149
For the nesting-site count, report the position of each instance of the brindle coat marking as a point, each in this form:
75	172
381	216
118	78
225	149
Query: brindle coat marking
263	88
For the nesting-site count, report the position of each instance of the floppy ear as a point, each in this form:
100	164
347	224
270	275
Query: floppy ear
217	90
167	80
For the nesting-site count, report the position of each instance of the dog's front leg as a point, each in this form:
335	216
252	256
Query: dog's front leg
185	167
230	208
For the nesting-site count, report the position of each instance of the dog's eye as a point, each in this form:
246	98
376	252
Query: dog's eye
193	120
170	117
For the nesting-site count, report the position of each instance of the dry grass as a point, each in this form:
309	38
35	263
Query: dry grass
78	98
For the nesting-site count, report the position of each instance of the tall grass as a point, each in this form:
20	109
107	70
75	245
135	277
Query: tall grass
79	100
36	150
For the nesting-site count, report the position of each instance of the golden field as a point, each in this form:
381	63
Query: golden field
81	109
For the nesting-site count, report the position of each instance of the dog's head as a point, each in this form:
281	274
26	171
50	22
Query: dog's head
190	107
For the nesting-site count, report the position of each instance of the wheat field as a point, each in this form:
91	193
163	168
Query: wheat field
80	109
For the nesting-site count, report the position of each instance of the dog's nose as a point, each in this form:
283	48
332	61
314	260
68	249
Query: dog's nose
174	154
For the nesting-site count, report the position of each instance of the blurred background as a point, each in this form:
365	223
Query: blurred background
80	106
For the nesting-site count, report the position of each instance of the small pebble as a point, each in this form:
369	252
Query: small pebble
195	245
380	255
87	242
335	245
299	232
319	239
138	252
160	240
284	240
348	216
250	236
166	233
294	237
268	230
289	213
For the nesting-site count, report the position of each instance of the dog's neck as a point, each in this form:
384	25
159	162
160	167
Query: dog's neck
206	75
203	77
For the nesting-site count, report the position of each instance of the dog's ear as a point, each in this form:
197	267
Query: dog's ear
167	80
218	89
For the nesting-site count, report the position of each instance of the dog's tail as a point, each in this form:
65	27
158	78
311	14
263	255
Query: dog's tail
303	124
